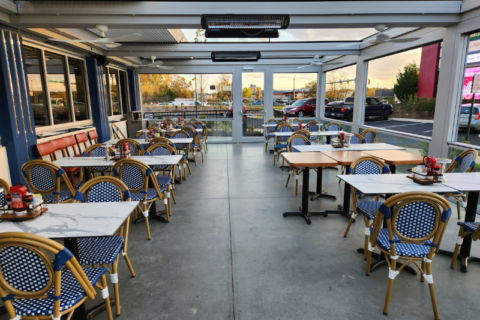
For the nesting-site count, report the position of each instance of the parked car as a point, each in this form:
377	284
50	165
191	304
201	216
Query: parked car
344	109
465	113
302	108
230	110
286	100
257	103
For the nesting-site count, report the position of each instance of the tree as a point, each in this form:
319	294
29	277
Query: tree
407	82
312	89
246	93
200	36
258	93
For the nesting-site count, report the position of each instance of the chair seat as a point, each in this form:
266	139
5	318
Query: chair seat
283	145
164	181
402	249
471	226
103	250
151	194
65	194
184	156
369	208
71	292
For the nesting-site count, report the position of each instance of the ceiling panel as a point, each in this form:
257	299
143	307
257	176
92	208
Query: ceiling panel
148	35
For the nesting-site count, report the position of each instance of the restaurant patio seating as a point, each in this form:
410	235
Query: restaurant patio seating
141	135
105	250
82	141
203	134
463	163
414	232
466	229
6	187
166	180
138	177
269	132
314	126
281	142
154	125
296	121
295	140
97	150
368	208
355	139
183	147
136	149
93	136
369	135
45	178
196	145
34	287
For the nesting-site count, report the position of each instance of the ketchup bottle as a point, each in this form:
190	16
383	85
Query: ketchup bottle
18	193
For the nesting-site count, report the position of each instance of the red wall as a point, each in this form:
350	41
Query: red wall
427	78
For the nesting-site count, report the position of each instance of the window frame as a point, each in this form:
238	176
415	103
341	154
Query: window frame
43	73
122	115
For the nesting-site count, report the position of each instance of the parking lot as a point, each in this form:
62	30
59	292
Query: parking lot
419	128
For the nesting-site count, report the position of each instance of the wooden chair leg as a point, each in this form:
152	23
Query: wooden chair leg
369	262
180	172
365	246
296	184
202	154
458	209
348	229
195	157
173	196
457	247
266	145
149	236
108	307
115	287
274	156
129	265
189	171
432	292
288	179
389	291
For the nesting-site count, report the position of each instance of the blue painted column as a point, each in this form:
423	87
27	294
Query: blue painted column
17	127
132	85
98	99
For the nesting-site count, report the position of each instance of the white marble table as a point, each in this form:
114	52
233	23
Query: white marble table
75	220
142	141
313	133
390	184
100	162
353	147
273	125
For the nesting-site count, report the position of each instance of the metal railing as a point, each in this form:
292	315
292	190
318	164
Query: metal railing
207	114
252	121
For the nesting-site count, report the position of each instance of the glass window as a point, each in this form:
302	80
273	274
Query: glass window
339	92
36	87
403	86
57	88
113	78
290	93
105	86
77	85
124	92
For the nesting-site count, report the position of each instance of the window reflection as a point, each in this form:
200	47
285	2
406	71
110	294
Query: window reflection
123	91
113	74
77	86
57	88
105	86
35	85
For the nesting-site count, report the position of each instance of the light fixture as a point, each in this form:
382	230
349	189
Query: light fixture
243	26
235	56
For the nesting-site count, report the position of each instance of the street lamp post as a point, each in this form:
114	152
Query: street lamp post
294	86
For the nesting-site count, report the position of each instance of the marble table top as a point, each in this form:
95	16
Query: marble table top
353	147
390	184
464	182
142	141
273	125
313	133
100	162
75	220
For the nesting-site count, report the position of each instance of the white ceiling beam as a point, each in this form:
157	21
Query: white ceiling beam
265	62
206	54
85	21
468	5
198	8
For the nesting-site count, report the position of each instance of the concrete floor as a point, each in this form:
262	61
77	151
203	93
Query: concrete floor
229	254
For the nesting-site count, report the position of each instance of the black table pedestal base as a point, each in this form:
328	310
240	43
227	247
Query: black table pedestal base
463	260
155	216
381	260
306	216
92	312
321	195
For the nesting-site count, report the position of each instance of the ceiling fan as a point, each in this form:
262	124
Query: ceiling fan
381	38
158	64
109	42
318	62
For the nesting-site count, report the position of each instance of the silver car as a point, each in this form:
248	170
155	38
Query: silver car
464	114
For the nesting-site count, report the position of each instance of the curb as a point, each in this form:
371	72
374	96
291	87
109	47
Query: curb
411	120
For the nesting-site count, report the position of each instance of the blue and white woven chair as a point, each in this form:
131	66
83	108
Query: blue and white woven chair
414	232
45	178
96	150
466	229
314	126
369	135
355	139
368	208
105	250
203	134
143	134
34	287
464	163
295	140
333	126
281	142
196	145
269	132
182	148
166	180
136	148
137	176
296	121
155	125
6	187
117	133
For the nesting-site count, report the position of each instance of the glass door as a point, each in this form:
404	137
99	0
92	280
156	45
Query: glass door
253	102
